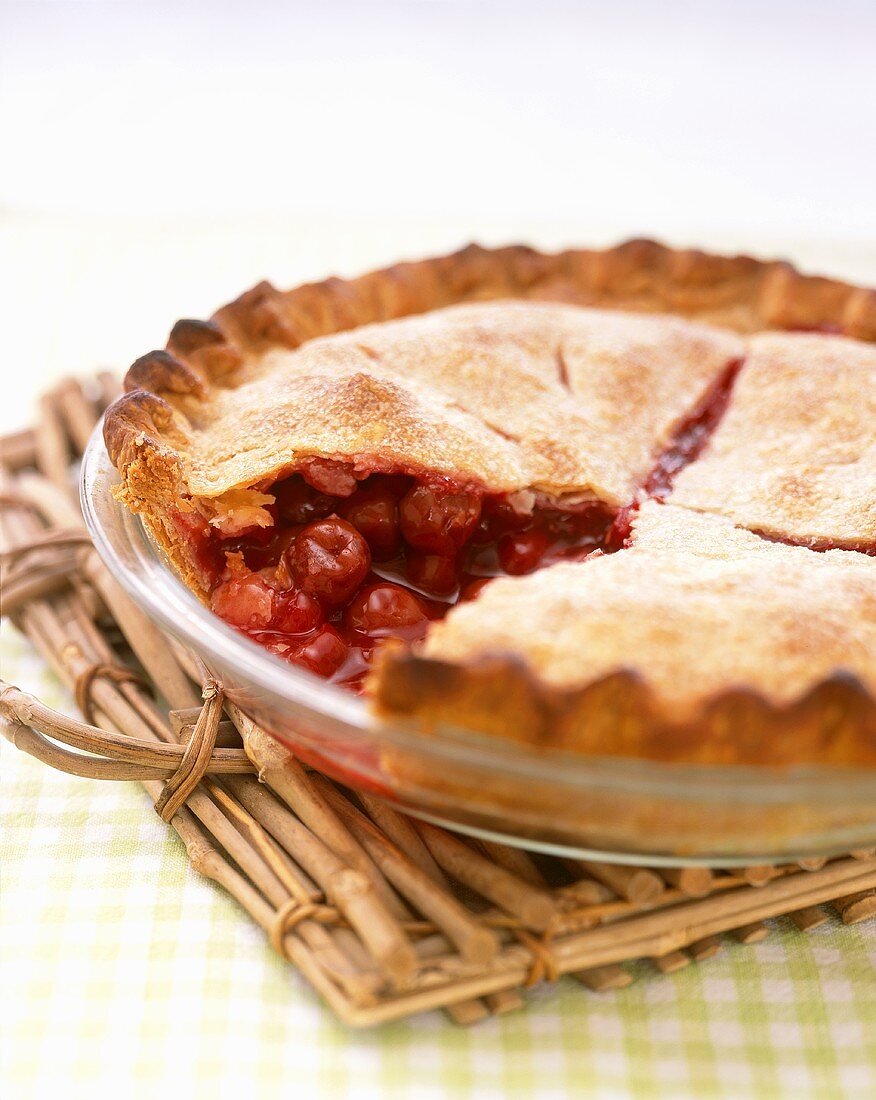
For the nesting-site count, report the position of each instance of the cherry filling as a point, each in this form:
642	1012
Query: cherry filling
349	564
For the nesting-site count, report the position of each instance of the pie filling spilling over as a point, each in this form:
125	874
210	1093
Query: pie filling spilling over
587	525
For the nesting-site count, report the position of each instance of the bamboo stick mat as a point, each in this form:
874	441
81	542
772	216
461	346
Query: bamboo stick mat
384	916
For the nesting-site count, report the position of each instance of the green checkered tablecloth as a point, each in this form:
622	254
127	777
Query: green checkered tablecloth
122	970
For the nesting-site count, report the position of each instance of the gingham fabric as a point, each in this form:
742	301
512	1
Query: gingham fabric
126	974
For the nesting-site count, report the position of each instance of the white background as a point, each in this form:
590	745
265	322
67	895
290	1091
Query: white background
159	158
651	115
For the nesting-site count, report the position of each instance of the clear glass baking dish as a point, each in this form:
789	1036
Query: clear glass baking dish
618	809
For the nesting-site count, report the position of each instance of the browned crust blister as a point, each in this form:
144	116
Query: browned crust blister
617	716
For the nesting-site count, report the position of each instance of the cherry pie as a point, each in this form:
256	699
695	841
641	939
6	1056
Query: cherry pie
615	502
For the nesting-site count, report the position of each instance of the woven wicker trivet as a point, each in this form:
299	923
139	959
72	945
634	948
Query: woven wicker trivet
384	915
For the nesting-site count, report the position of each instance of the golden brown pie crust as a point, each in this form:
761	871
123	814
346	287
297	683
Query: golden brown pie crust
795	458
834	721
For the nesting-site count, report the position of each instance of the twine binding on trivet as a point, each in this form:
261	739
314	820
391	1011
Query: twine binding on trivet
85	682
196	757
545	966
544	963
291	913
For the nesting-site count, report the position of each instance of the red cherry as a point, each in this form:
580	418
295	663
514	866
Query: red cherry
323	654
433	573
246	602
499	517
374	513
281	645
438	521
589	523
483	532
295	613
298	502
522	551
385	611
329	560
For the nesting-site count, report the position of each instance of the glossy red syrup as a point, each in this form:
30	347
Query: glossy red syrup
341	572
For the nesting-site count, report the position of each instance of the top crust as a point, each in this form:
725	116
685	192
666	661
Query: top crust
507	395
795	455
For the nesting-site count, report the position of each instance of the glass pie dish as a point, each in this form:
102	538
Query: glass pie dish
618	809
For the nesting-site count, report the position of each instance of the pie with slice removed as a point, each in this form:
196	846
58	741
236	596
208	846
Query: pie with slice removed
618	503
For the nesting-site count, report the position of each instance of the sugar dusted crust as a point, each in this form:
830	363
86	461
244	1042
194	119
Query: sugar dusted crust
267	384
795	457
